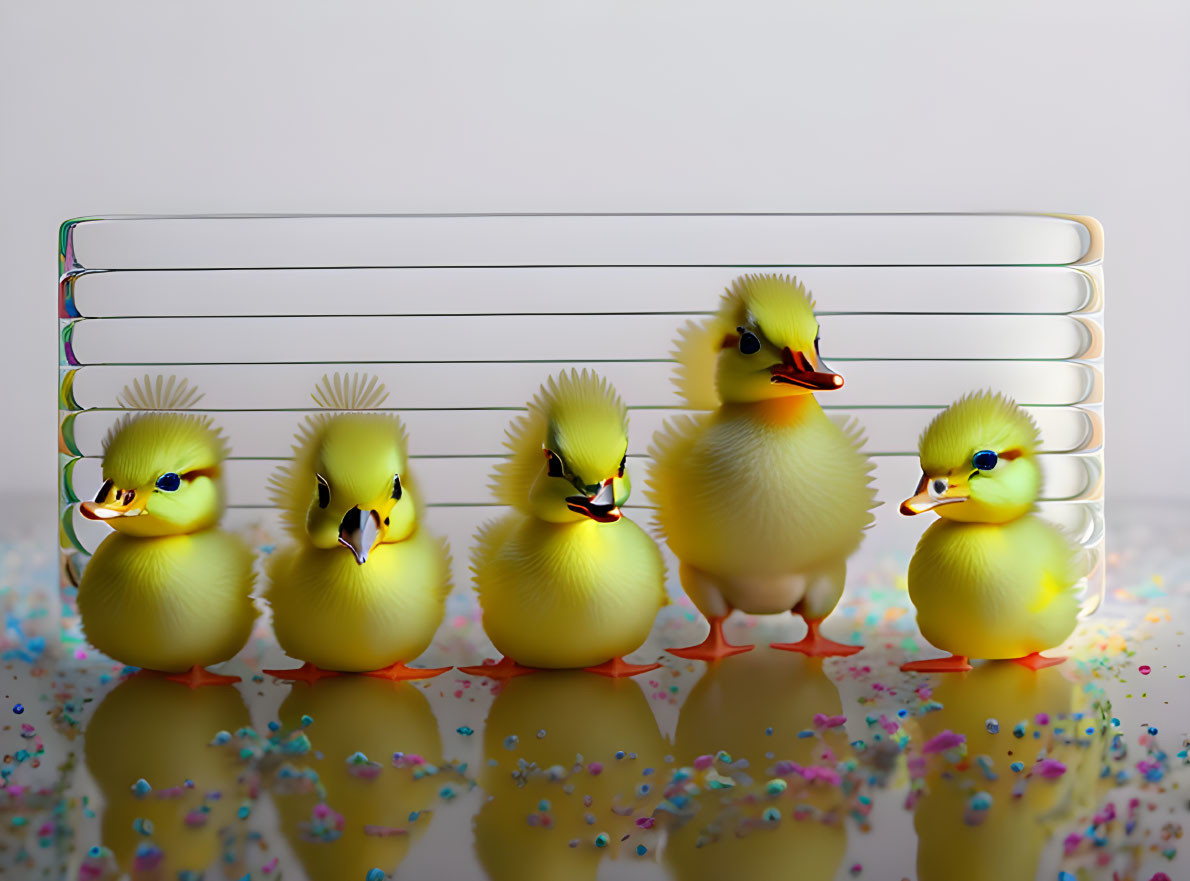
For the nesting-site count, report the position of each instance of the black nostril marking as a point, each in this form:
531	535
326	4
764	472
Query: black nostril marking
386	521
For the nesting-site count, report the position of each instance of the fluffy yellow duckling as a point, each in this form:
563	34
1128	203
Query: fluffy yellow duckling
160	732
543	791
363	586
989	579
763	499
167	591
731	709
564	579
359	723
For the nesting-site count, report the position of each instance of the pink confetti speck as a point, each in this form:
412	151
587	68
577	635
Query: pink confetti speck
824	721
703	762
1145	670
1050	769
940	743
644	822
595	768
80	654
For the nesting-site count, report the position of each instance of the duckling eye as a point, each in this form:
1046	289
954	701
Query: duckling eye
937	489
324	491
985	460
554	464
101	496
397	487
169	482
749	344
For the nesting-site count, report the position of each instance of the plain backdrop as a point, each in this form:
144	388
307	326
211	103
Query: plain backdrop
648	105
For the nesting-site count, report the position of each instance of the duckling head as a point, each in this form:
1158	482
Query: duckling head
161	476
358	493
569	452
978	460
769	342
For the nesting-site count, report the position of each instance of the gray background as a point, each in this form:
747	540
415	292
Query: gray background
669	105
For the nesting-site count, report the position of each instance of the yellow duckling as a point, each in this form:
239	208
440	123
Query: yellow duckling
763	499
168	591
989	579
149	729
363	586
358	725
568	758
564	579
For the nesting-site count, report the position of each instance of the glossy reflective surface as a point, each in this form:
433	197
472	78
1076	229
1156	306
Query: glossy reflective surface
767	765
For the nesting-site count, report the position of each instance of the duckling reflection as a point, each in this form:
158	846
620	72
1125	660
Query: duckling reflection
731	710
160	731
369	800
560	800
978	818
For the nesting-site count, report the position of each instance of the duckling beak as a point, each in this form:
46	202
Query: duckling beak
112	502
933	492
358	533
796	369
600	507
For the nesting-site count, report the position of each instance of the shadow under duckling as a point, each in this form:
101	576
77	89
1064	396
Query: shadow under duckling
358	724
564	579
168	591
989	579
159	731
362	586
1029	759
732	831
571	763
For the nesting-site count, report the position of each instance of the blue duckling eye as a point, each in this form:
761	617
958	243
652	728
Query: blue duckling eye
169	482
985	460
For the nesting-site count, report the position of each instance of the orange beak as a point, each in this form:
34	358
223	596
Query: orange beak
111	502
796	369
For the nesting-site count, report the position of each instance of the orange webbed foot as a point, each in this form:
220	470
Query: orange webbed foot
307	673
618	667
815	645
399	672
714	648
951	664
1036	661
197	677
507	668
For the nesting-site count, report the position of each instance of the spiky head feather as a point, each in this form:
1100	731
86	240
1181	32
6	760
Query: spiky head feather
984	420
141	447
779	305
580	417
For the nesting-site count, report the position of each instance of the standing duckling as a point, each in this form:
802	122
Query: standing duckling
989	579
168	591
363	586
765	498
564	579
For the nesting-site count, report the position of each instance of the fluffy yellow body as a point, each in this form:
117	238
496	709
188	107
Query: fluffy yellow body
995	590
763	503
567	594
338	615
169	603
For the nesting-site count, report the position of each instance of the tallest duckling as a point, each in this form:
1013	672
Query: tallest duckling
765	498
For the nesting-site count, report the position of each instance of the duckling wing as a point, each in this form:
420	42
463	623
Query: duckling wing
671	444
489	538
